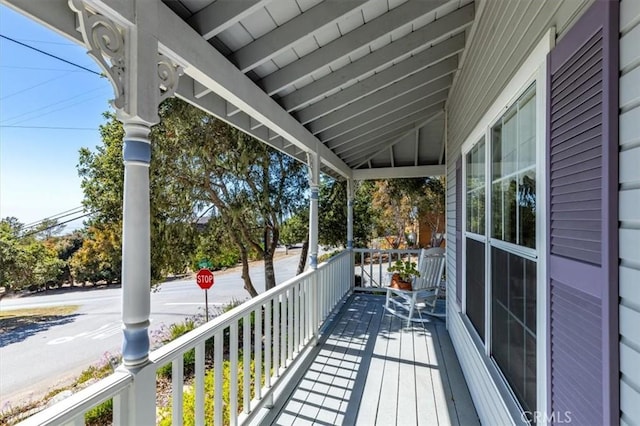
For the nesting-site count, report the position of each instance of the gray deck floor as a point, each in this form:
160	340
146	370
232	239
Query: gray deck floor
373	370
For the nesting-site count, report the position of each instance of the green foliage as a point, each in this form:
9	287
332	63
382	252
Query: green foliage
25	262
216	246
248	185
198	163
102	174
173	332
333	213
295	229
405	269
99	257
100	415
327	256
164	415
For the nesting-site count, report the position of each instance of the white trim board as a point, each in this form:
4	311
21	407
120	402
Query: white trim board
532	70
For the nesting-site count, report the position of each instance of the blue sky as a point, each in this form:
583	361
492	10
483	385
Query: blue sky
38	175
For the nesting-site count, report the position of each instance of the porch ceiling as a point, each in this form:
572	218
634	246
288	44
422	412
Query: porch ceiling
362	82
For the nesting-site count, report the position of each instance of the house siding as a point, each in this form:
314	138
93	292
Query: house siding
492	57
629	211
582	158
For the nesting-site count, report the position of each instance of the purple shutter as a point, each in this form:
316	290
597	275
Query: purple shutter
582	220
459	231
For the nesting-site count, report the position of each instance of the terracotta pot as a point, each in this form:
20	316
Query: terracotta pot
396	282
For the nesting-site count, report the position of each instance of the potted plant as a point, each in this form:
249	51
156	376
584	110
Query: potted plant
403	273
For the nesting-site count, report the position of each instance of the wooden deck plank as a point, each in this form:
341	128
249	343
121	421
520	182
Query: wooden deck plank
438	377
317	379
323	400
297	400
427	410
371	369
372	383
388	404
407	409
351	359
354	364
460	398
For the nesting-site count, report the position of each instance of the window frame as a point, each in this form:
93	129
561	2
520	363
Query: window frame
533	71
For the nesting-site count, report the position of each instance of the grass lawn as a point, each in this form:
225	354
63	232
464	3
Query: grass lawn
12	319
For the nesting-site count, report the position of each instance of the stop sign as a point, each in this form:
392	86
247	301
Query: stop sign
204	278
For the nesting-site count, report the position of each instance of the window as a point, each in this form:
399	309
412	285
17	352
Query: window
506	251
475	288
513	270
513	322
475	244
475	189
513	179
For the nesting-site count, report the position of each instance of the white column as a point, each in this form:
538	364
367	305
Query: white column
313	160
314	184
141	78
136	250
350	191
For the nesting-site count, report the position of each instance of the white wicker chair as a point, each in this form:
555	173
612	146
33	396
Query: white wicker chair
410	304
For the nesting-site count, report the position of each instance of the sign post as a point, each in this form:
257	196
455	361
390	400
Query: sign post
204	279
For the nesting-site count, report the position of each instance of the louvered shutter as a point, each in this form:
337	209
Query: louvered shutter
459	231
582	219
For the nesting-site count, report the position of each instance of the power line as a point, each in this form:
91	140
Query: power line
19	67
53	111
48	127
55	226
50	55
53	104
60	43
35	85
56	216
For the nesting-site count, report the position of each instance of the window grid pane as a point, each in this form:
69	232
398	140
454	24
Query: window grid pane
475	178
513	175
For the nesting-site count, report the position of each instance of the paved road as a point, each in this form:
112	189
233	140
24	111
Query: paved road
40	357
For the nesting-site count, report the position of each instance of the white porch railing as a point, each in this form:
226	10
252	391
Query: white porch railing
371	265
267	333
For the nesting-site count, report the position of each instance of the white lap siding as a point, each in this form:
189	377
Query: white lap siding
493	56
630	212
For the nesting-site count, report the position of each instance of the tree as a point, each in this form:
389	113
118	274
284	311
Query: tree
394	209
102	173
66	246
295	230
333	213
25	261
199	163
250	185
424	196
99	257
47	228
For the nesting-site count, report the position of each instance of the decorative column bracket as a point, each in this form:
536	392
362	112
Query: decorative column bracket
106	43
168	73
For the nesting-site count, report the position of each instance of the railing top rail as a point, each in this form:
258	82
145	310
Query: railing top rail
184	343
394	251
78	403
336	257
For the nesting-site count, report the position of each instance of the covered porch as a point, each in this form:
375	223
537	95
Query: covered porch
370	368
513	100
310	351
